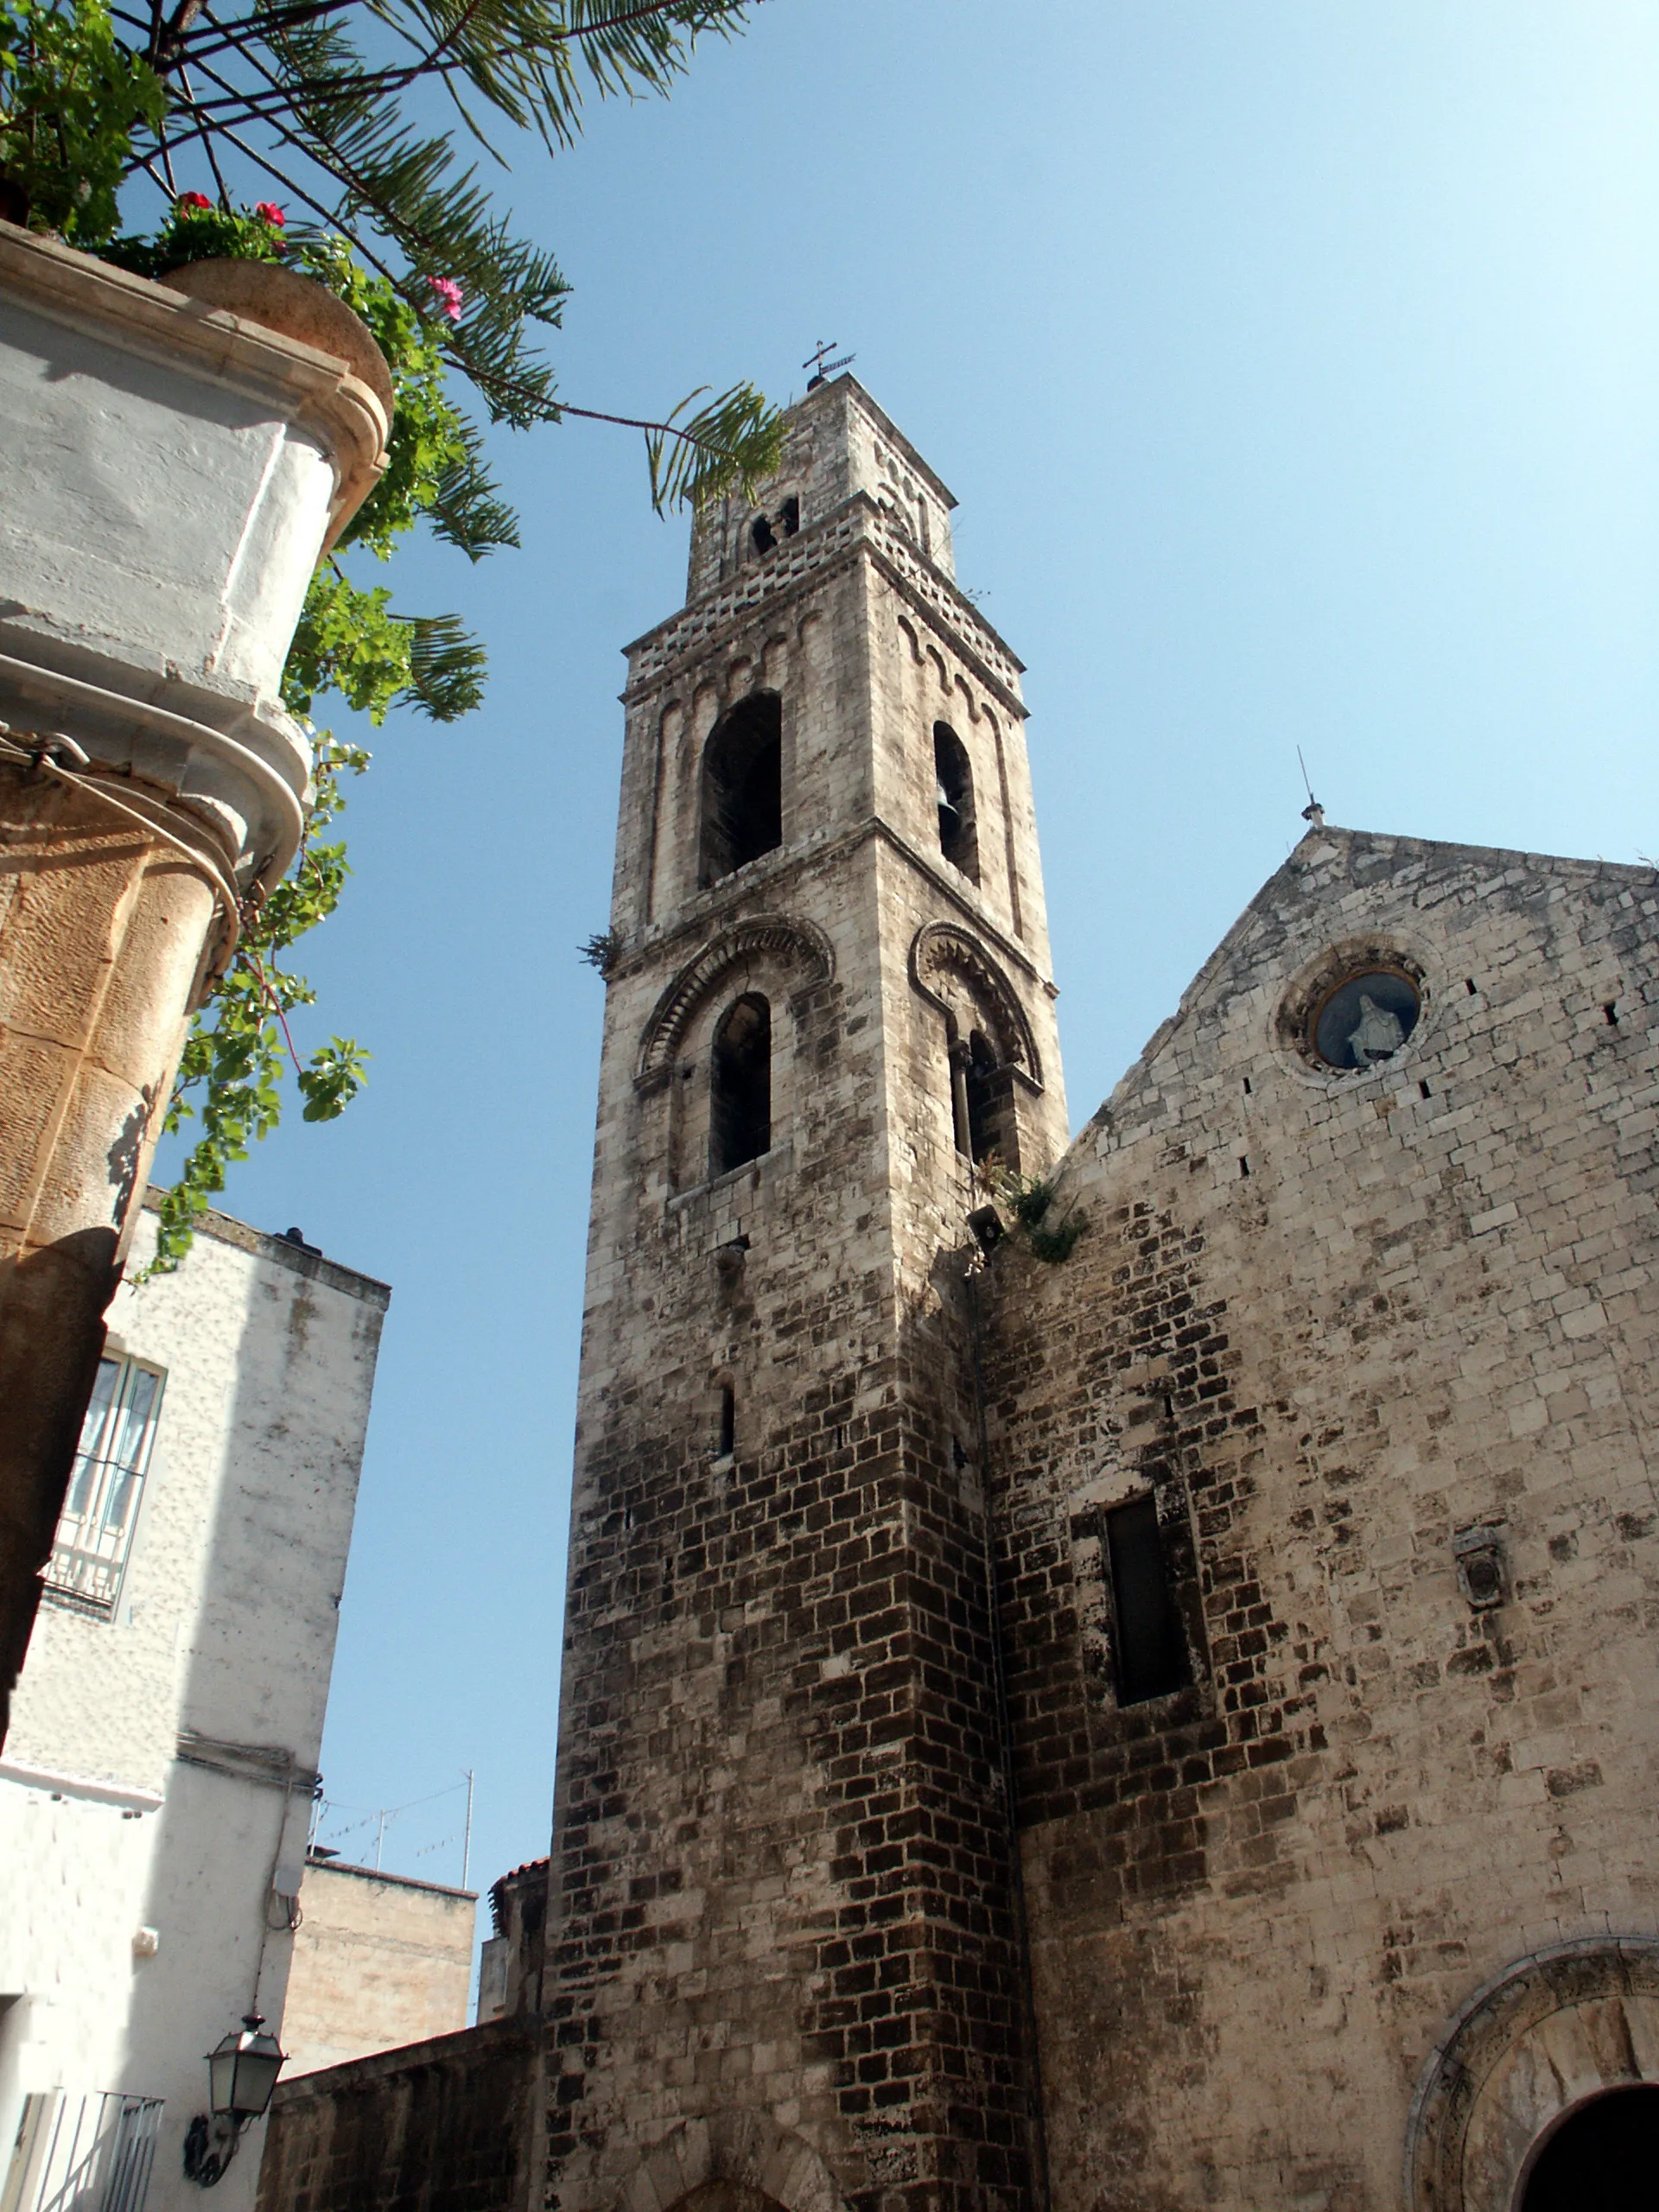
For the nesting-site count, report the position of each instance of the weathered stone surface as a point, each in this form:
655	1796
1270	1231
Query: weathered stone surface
1330	1320
380	1962
780	1860
444	2126
102	939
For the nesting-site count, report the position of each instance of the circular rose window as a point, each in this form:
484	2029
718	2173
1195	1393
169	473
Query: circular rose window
1364	1019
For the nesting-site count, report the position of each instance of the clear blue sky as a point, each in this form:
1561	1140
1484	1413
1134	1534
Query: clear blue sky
1294	364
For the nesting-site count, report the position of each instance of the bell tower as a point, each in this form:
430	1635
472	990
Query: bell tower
782	1959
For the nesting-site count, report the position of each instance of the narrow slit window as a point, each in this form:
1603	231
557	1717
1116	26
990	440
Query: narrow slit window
740	1090
1152	1658
983	1117
727	1442
953	778
742	786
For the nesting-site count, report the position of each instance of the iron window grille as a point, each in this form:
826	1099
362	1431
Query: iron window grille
95	1530
83	2154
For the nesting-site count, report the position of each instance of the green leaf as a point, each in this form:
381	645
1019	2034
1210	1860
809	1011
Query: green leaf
734	443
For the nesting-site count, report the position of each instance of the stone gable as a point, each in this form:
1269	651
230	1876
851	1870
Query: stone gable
1341	1326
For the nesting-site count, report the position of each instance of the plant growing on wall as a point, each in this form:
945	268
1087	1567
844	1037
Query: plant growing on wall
1029	1203
94	97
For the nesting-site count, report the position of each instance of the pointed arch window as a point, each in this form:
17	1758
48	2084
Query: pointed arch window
954	781
742	786
740	1087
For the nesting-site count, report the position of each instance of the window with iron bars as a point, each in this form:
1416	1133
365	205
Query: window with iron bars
94	1538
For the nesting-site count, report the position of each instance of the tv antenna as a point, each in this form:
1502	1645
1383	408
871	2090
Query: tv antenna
819	366
1312	812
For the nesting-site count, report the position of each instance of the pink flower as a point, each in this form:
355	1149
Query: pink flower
269	211
448	293
194	200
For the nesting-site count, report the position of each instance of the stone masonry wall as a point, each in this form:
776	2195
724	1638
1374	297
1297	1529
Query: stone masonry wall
379	1961
449	2125
1330	1322
779	1878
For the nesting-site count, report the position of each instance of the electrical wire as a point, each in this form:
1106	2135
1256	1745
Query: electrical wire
39	757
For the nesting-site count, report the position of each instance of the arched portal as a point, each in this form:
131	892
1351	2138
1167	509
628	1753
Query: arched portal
1603	2158
724	2195
731	2161
1541	2084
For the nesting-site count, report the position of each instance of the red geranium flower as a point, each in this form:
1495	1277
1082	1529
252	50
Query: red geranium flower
195	199
271	214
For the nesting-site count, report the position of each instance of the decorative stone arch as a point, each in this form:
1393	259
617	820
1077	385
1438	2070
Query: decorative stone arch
942	952
1535	2045
748	2152
794	944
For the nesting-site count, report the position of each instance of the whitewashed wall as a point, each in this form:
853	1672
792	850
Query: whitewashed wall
159	1768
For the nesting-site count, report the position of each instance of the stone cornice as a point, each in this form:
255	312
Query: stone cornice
858	525
699	921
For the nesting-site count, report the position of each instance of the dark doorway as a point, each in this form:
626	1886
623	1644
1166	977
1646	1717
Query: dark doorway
1604	2158
742	786
740	1089
954	788
1151	1649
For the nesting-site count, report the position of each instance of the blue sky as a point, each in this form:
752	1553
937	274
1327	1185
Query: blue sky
1294	364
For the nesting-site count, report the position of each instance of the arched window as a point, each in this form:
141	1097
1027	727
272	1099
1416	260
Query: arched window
953	778
742	786
977	1098
740	1087
984	1118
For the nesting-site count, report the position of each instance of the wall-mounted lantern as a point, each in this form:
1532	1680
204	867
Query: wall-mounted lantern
242	2072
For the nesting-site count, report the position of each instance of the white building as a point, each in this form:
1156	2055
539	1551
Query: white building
156	1787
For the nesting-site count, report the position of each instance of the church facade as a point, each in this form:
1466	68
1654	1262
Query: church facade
1104	1677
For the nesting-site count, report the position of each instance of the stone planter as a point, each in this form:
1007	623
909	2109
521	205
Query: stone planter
169	471
171	465
279	299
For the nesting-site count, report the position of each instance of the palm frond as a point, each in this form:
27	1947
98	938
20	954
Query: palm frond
447	666
734	444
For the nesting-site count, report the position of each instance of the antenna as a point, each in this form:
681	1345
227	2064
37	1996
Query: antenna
1312	812
819	366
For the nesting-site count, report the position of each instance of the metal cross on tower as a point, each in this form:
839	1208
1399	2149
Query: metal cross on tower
820	367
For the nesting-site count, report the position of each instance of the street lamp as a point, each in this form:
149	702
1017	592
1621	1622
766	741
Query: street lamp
242	2072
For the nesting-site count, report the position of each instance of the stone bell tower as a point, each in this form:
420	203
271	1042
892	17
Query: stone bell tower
782	1954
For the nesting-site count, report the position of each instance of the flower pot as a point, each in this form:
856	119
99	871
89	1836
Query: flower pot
297	305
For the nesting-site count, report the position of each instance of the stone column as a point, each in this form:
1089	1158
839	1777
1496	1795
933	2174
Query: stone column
169	471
